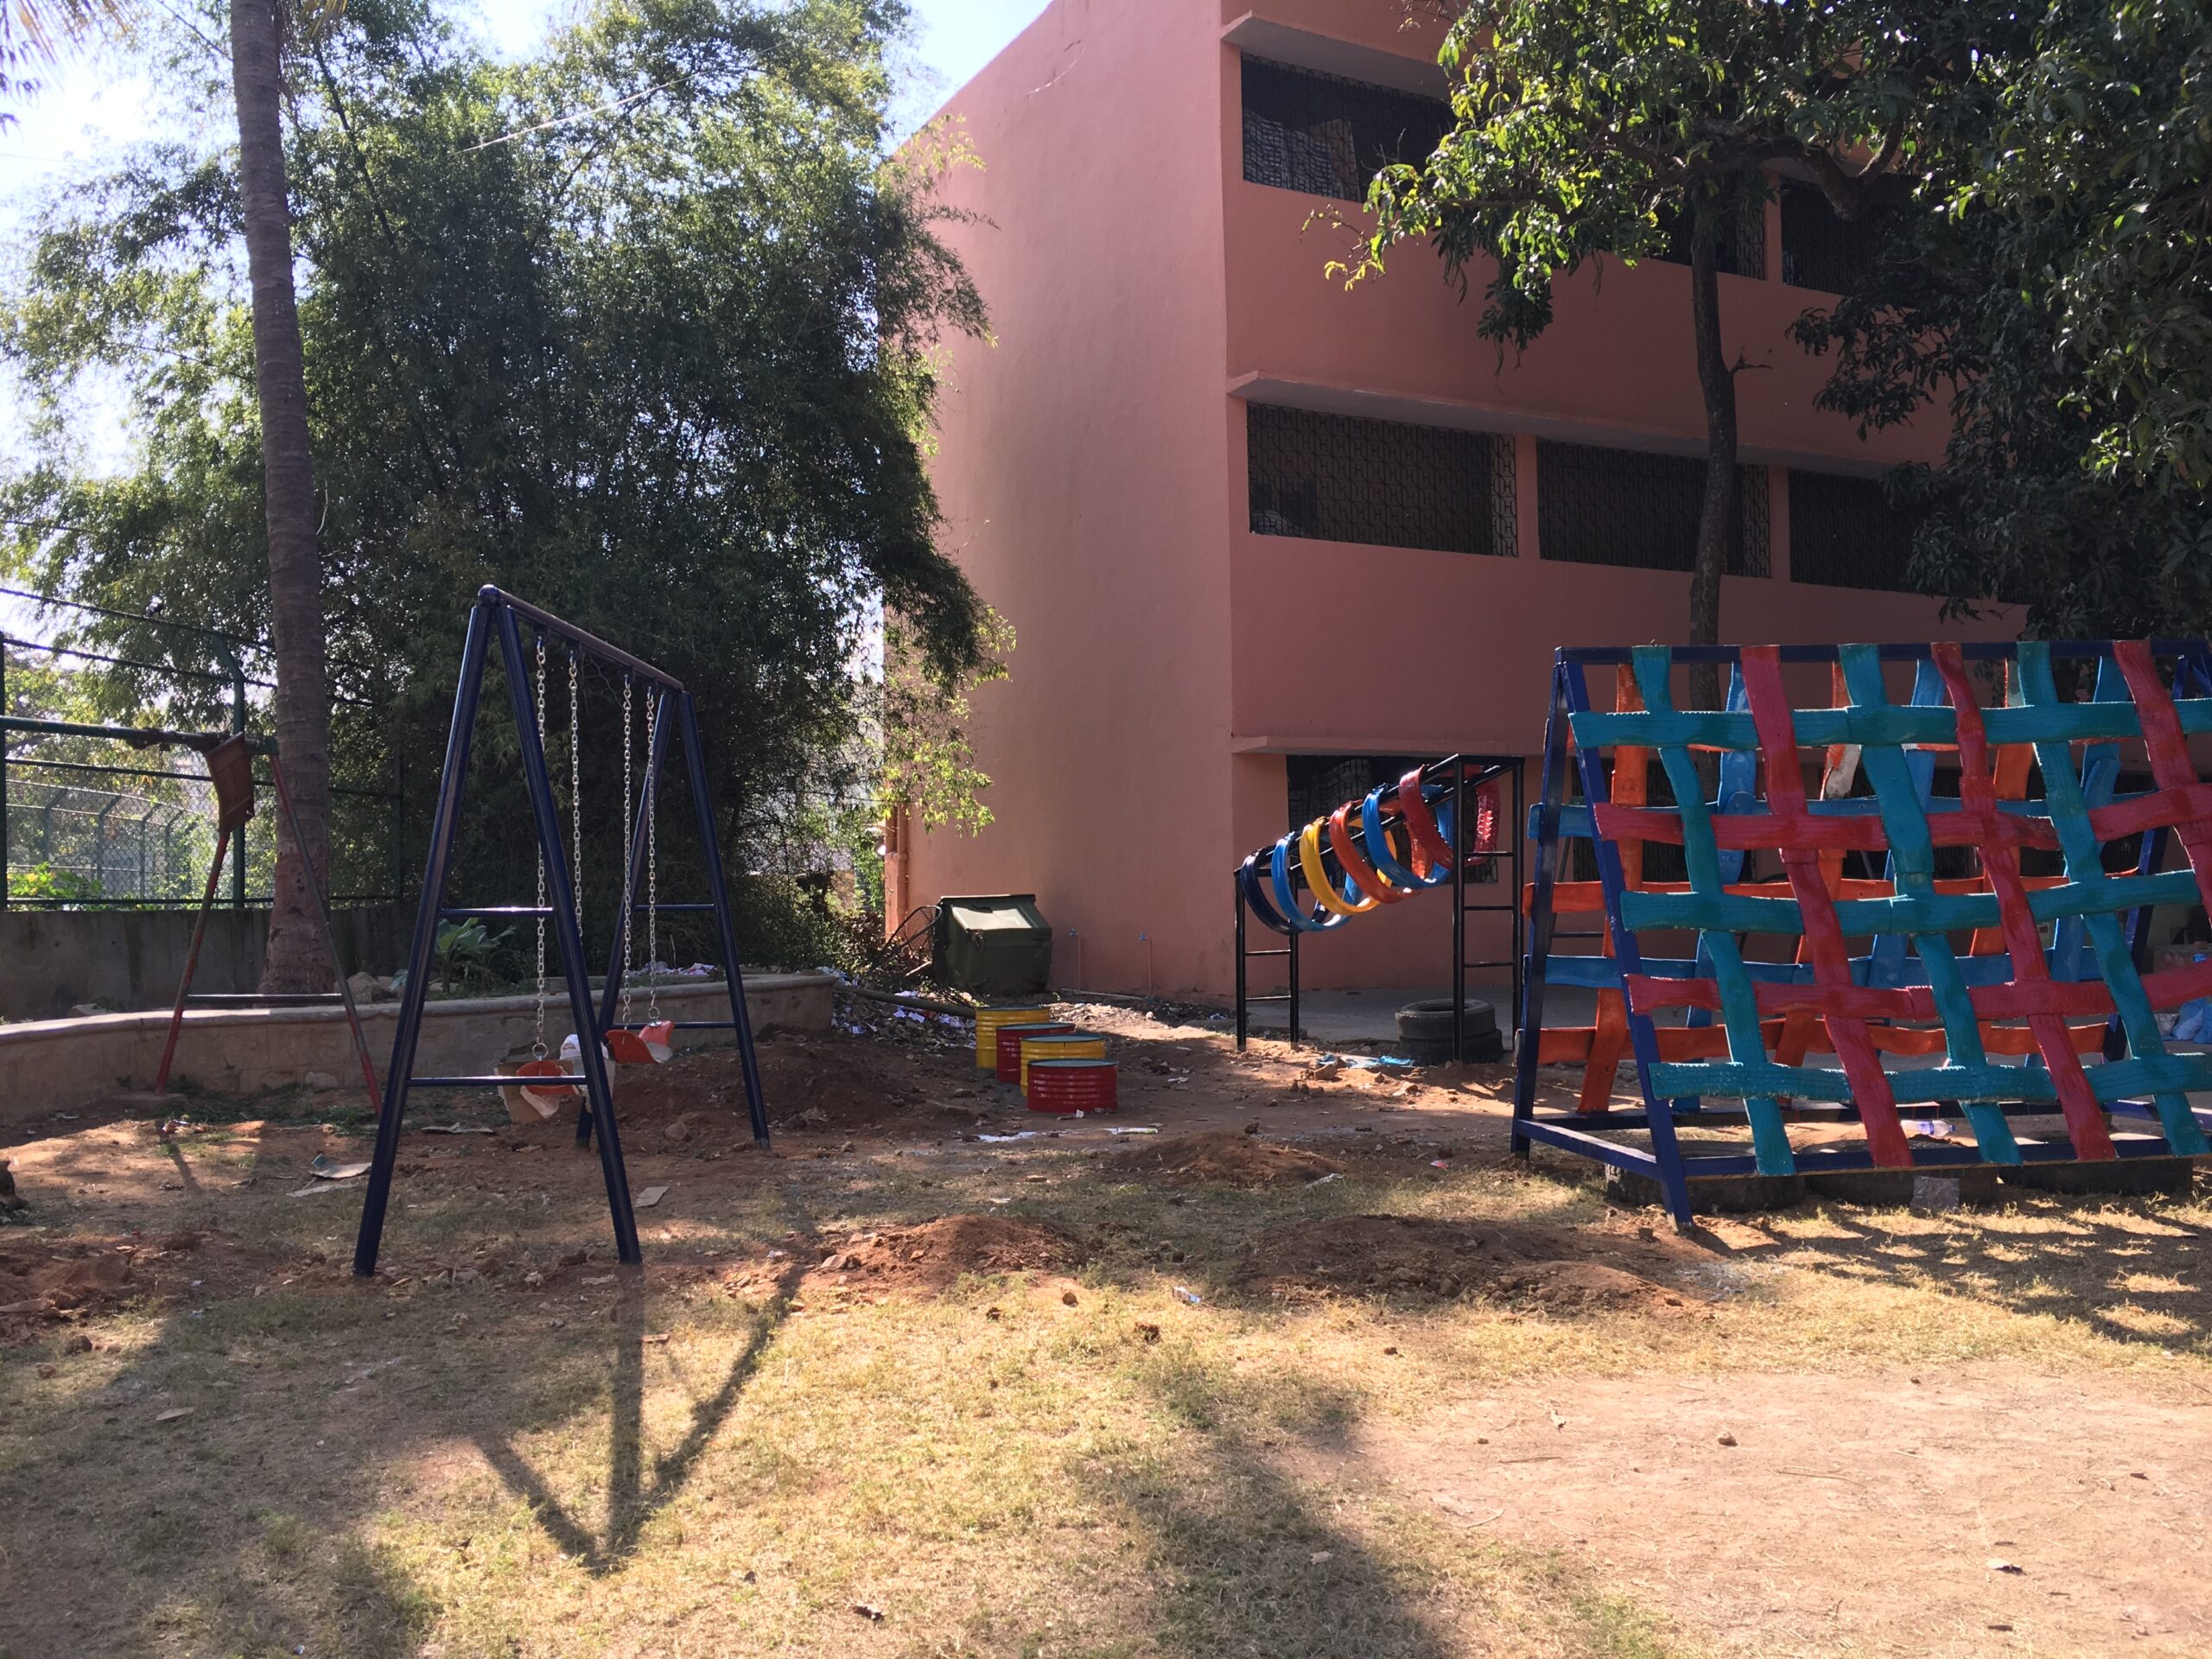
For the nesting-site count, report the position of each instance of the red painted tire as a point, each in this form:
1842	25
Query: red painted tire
1431	850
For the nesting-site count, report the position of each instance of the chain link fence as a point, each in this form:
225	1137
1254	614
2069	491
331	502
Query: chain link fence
93	822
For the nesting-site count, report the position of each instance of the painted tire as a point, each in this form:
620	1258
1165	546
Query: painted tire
1388	864
1364	876
1338	895
1421	822
1257	900
1424	871
1287	903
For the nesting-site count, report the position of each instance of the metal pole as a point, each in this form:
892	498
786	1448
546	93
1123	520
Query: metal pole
1458	913
1243	1008
416	991
560	895
191	963
1516	836
1551	852
1294	933
237	725
695	764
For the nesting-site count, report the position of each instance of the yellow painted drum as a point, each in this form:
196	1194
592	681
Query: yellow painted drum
988	1021
1059	1048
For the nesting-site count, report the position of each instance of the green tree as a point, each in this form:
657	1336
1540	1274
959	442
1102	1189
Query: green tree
644	327
296	959
1589	128
2055	291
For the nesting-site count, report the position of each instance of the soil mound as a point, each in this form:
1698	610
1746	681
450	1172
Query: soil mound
818	1084
42	1282
1410	1256
1224	1155
928	1258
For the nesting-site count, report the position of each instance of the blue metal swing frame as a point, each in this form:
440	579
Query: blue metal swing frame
499	615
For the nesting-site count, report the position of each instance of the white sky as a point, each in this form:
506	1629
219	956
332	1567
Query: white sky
90	109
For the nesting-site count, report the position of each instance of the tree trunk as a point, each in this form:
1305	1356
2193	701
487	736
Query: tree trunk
1716	524
296	960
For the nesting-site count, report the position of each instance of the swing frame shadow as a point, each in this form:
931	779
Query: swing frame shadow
502	616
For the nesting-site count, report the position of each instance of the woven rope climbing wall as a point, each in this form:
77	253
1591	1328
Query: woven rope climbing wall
2049	958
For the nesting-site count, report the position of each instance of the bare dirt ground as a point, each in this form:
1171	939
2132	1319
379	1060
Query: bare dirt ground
1313	1369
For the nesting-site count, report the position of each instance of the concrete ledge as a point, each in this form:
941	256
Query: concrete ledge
52	1065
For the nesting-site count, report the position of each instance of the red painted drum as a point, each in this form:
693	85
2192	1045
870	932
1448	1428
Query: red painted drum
1070	1086
1009	1039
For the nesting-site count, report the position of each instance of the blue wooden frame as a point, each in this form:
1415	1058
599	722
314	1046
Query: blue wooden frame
500	616
1555	822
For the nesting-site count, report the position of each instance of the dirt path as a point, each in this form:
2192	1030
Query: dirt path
1853	1514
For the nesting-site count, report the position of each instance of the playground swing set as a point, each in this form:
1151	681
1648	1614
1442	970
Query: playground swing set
603	1031
1960	973
603	1035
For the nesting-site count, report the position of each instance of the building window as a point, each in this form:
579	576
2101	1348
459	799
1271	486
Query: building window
1742	253
1626	507
1844	533
1335	478
1819	249
1324	136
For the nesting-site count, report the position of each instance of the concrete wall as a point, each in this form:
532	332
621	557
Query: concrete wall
50	961
55	1065
1085	481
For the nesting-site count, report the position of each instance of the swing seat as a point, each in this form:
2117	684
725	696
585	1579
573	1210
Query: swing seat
547	1101
648	1046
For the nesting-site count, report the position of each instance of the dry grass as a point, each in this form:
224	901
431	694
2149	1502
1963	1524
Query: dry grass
660	1464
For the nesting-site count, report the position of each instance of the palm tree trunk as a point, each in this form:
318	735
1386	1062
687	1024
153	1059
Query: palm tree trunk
295	959
1716	524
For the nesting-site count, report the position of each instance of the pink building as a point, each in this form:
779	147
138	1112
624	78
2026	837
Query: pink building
1261	537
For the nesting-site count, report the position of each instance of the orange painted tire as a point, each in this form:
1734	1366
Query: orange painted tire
1364	874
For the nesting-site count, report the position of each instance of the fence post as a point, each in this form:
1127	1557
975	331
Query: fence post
237	666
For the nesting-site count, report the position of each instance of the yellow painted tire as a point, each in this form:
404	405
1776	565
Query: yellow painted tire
1317	878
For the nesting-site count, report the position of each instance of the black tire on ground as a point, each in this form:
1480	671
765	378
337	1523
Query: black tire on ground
1432	1019
1424	1031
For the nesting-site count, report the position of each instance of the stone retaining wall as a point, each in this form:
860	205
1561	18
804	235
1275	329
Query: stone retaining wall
52	960
55	1065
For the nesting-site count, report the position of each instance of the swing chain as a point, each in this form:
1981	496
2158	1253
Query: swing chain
652	875
627	920
575	798
537	1039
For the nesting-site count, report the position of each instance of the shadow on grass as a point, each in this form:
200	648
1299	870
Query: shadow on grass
633	1498
2128	1269
1251	1559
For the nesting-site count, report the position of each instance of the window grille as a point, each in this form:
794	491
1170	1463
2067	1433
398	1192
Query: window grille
1742	254
1338	477
1327	137
1819	249
1504	499
1844	533
1626	507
